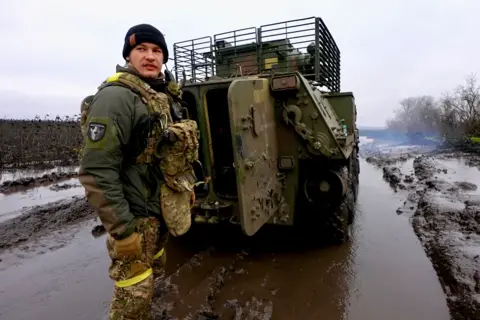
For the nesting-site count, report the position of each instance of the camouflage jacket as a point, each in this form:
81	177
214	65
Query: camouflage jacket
116	185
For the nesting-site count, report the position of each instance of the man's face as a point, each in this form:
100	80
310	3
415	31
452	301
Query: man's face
147	59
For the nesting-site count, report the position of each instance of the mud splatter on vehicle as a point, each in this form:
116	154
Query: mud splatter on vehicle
279	139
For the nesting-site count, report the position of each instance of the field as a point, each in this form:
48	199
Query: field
416	230
39	143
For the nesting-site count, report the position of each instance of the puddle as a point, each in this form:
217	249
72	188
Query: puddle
393	278
7	174
382	274
457	171
12	204
70	283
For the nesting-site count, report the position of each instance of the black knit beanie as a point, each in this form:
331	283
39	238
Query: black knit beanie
144	33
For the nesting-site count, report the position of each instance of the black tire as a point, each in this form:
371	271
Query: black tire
338	228
354	184
330	222
340	220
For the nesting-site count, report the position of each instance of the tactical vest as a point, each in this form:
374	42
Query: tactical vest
174	158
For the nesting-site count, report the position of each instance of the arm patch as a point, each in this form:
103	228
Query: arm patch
100	133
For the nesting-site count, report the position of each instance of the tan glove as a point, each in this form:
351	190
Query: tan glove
130	247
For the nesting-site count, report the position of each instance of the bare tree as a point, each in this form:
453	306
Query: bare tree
416	114
461	109
455	114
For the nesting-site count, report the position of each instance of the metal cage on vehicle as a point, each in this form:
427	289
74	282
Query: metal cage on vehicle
303	45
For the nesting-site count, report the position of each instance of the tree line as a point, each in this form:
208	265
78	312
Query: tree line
454	115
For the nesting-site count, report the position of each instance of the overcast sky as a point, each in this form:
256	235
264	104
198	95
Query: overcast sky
56	52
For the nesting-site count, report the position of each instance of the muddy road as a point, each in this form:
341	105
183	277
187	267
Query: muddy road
51	267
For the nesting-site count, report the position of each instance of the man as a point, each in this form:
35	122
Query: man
127	125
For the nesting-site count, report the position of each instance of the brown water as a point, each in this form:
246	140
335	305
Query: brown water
382	274
393	279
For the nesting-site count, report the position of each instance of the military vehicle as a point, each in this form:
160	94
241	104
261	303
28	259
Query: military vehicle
278	140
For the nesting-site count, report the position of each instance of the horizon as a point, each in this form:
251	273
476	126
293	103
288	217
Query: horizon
385	57
77	117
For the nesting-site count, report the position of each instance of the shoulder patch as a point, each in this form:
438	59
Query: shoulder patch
96	131
100	133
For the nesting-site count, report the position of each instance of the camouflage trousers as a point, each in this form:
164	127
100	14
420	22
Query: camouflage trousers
134	280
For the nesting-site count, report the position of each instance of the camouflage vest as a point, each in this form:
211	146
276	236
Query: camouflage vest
174	158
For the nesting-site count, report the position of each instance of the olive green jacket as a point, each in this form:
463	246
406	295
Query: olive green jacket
117	187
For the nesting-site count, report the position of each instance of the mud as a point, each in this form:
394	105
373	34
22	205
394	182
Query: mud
43	220
445	215
217	273
65	186
388	159
22	184
62	283
382	274
447	221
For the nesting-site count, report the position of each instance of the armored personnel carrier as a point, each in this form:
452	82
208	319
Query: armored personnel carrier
278	139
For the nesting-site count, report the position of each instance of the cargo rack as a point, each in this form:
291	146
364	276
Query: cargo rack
303	45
